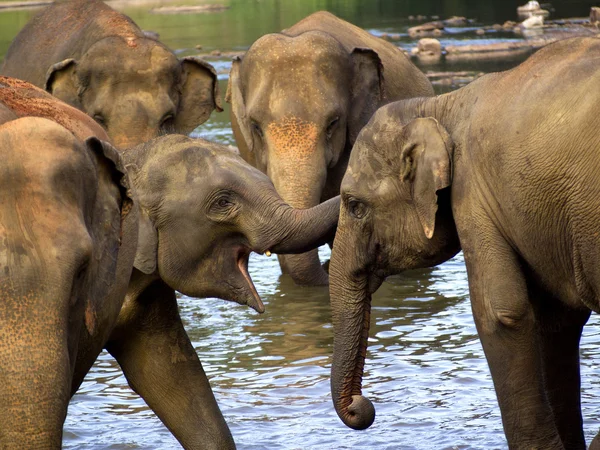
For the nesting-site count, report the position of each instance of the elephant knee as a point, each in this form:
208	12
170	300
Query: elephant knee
504	317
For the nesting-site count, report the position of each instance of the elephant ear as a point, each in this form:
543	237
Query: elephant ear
199	90
146	256
239	119
62	82
426	162
367	90
112	218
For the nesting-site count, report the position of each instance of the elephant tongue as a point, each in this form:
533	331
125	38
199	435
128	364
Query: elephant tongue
254	300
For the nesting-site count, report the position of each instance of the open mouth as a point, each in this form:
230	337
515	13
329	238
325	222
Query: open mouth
253	300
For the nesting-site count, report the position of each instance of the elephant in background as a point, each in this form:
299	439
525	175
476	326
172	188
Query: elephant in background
298	100
99	61
66	253
505	168
203	210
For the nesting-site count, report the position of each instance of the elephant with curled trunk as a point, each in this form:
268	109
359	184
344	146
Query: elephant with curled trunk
203	210
505	168
99	61
67	244
298	100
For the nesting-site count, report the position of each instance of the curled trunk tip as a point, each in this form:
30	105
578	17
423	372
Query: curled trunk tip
360	414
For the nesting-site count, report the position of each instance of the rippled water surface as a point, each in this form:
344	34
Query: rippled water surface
425	370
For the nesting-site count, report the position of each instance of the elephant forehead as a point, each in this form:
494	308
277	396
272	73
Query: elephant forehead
117	56
314	46
293	135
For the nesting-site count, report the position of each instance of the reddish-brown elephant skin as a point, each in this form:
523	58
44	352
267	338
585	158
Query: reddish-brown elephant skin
68	234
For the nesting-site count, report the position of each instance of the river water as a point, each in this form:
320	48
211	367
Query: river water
425	370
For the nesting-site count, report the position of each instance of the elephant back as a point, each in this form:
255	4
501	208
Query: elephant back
22	99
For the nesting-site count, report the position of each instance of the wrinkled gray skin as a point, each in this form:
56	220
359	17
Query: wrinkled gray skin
64	270
505	168
99	61
203	210
299	99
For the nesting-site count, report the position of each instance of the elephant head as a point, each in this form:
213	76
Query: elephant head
395	215
136	88
298	104
203	210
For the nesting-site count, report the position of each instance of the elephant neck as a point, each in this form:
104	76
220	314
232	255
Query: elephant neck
139	282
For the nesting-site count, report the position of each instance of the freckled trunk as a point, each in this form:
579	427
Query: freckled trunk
351	312
300	184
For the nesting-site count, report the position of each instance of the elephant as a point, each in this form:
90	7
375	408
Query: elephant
203	210
99	61
200	211
67	247
298	100
505	169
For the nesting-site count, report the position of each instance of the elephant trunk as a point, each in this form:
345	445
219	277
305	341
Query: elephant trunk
305	268
298	168
298	230
351	312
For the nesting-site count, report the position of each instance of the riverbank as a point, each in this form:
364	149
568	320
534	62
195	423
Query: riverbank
11	5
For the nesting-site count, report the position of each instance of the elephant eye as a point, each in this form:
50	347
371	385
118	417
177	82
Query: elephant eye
223	206
331	127
223	203
100	119
357	209
256	129
167	121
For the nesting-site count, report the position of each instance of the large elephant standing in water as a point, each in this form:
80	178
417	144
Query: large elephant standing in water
99	61
67	245
299	99
505	168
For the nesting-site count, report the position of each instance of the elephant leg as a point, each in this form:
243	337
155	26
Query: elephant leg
162	366
505	322
595	445
559	333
